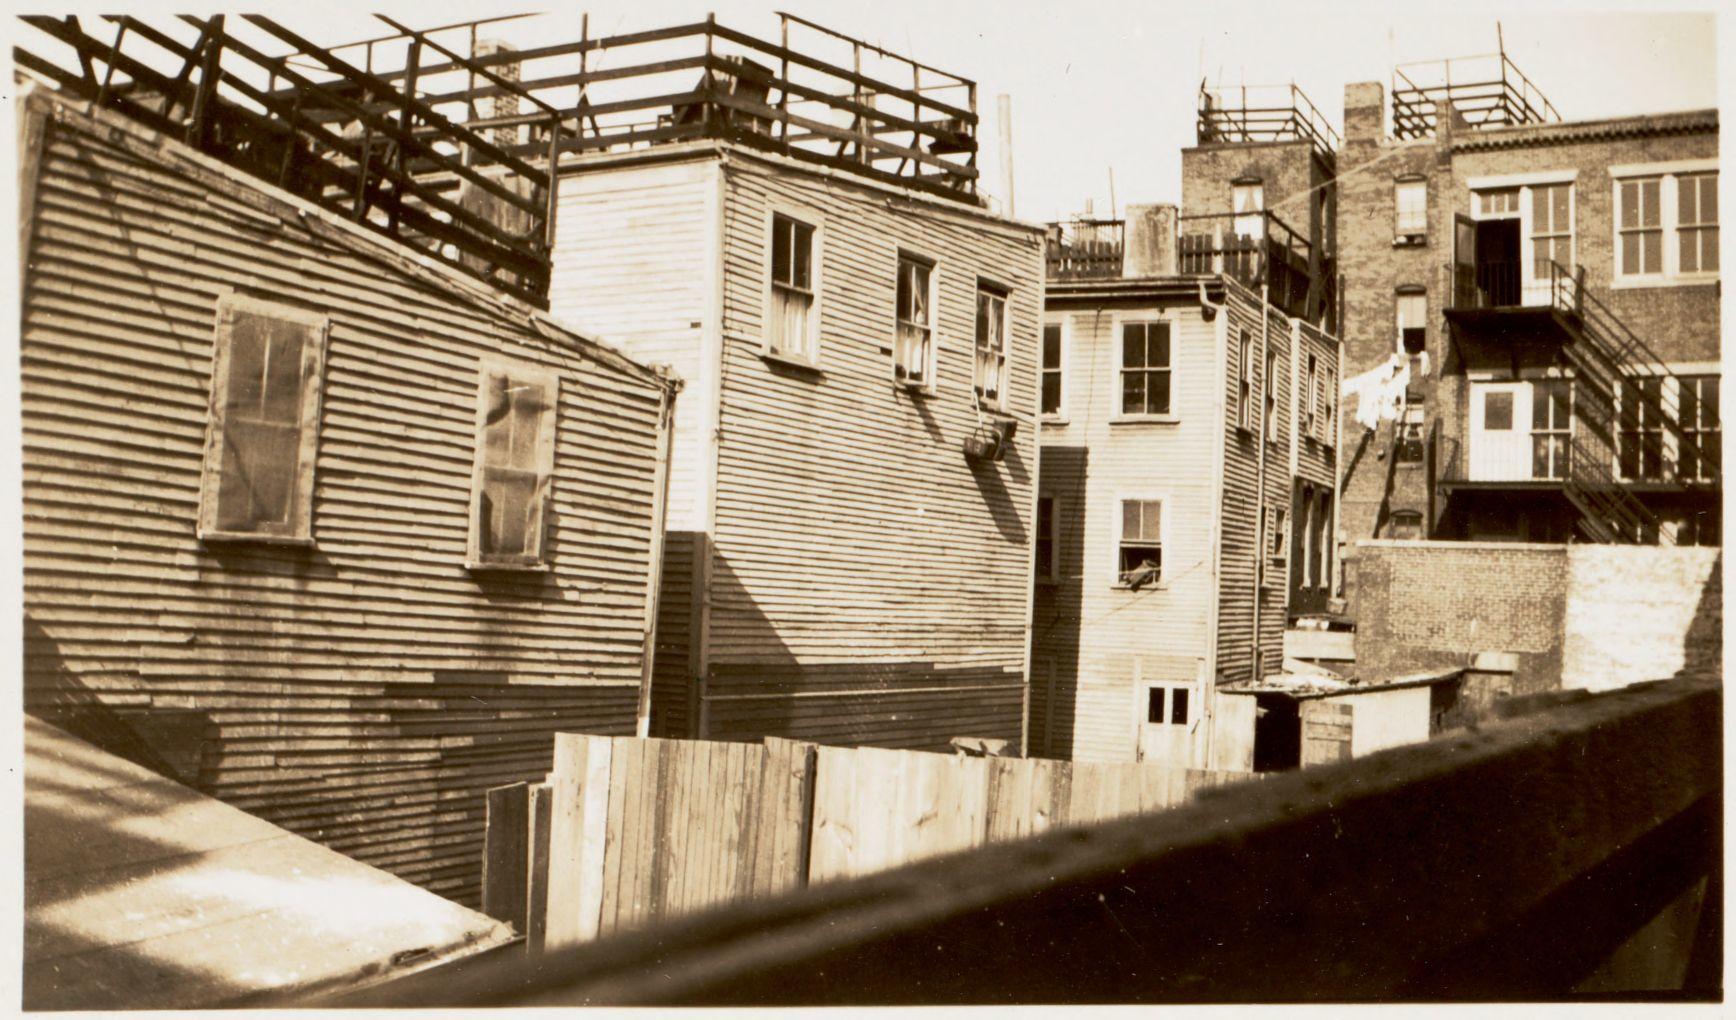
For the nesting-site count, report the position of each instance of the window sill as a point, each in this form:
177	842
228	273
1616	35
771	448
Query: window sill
1644	282
915	389
1410	241
1053	419
507	568
232	538
1145	419
785	361
1159	586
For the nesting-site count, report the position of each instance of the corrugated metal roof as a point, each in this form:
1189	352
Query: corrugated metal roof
1684	122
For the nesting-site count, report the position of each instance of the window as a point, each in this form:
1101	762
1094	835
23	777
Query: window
1048	569
1245	386
1703	449
1248	200
1330	433
1413	322
1497	411
1052	370
1641	227
1551	427
791	331
991	345
515	457
1311	400
1410	200
1277	539
1697	223
1271	382
1551	228
1145	368
267	365
1640	442
1498	203
1410	431
1699	528
1323	540
1405	524
1177	701
913	349
1139	560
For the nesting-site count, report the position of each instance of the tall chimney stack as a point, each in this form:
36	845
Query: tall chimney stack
1149	241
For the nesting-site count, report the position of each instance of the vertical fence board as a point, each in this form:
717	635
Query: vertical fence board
506	854
594	834
618	839
566	864
542	801
833	841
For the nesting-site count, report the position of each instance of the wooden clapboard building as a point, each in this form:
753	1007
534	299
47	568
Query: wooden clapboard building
1185	402
319	517
854	457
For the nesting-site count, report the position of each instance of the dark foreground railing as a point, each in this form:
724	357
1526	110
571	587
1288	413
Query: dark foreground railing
1514	862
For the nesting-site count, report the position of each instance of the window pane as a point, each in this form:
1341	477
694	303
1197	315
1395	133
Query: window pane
1154	705
802	245
1052	346
258	474
1649	210
1652	248
1178	705
1133	392
1150	524
1129	520
904	290
1561	197
1497	411
781	249
1630	253
1160	345
1630	204
1133	345
1709	198
1157	395
506	511
1051	392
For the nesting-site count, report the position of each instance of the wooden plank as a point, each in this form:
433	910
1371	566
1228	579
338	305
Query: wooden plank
768	815
566	835
506	855
594	834
833	844
537	910
1049	794
662	810
618	843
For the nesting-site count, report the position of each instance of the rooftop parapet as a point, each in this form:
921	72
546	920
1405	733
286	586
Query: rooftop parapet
1488	90
1263	113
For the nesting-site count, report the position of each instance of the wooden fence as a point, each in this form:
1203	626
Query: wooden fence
630	829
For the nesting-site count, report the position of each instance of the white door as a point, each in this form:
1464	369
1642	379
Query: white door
1500	432
1167	712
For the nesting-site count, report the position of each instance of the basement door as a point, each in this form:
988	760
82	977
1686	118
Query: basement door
1500	433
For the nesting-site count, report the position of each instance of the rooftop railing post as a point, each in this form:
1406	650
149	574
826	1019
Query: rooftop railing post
784	80
413	65
109	72
198	130
553	189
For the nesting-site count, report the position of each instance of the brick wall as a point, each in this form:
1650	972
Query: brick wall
1286	169
1640	613
1433	605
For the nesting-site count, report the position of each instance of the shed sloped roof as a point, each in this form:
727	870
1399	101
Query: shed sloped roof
142	893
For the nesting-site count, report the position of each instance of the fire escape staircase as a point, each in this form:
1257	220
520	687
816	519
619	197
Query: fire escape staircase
1604	354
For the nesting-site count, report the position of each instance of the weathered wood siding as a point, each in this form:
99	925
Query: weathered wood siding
636	261
868	584
1105	639
1241	504
365	692
1313	464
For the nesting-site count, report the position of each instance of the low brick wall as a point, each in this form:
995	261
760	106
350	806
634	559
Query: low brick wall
1574	616
1432	605
1640	613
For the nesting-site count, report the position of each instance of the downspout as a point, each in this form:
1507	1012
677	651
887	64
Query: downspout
659	527
1215	540
1261	539
1335	562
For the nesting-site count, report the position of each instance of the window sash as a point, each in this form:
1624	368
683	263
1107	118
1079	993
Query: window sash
792	253
791	322
1551	227
1052	380
1410	207
1640	435
1698	407
1140	540
1245	392
1146	359
1641	226
261	442
991	346
1697	223
913	347
517	407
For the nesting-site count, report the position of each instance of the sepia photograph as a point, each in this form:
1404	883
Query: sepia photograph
692	504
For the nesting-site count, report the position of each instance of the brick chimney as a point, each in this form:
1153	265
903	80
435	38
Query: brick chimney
499	106
1364	112
1149	241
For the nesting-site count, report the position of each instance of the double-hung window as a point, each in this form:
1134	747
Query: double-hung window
1053	381
1145	368
989	377
1139	553
914	347
1410	201
1245	381
1413	322
1248	201
1703	444
516	405
1640	440
260	444
1666	222
793	328
1311	400
1551	428
1271	403
1551	229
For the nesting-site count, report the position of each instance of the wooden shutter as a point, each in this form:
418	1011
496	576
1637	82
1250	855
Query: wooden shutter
263	434
516	407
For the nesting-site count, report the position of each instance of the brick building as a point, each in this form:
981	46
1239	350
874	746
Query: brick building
1551	288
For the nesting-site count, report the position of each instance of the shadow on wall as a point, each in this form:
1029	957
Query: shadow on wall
1703	643
1057	614
889	692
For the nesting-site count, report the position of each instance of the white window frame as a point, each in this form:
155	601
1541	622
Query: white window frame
929	380
1400	322
1065	324
1311	401
1005	293
1669	179
1274	559
1054	537
1119	356
1716	427
1168	687
1269	394
1248	214
1115	537
816	277
1532	290
1539	387
1244	379
1402	231
548	440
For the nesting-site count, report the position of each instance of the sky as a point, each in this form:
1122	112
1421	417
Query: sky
1103	91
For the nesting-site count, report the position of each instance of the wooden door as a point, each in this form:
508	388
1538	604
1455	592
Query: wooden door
1500	432
1167	714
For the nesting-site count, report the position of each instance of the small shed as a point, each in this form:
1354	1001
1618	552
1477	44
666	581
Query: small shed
1315	717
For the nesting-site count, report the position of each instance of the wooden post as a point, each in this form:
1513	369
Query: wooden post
505	855
537	886
198	130
109	73
406	127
